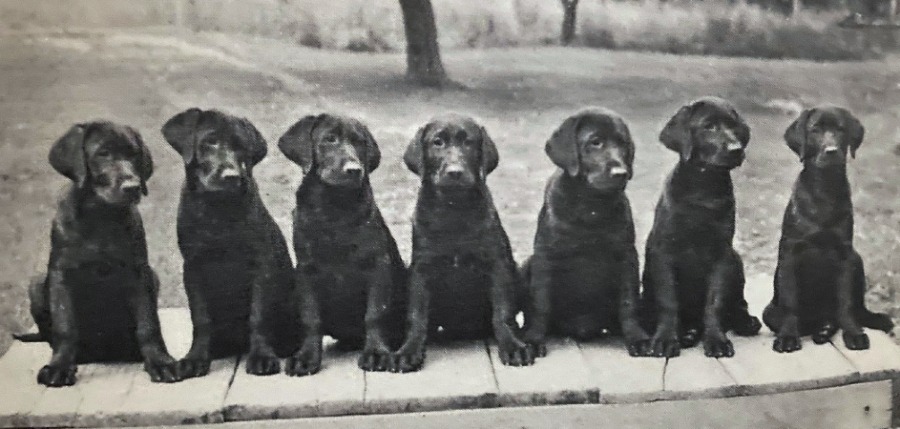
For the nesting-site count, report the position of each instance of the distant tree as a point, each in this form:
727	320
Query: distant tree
423	56
568	26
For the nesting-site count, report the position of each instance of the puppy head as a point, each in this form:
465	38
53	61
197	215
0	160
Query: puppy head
108	159
708	132
340	150
219	150
596	146
823	135
452	151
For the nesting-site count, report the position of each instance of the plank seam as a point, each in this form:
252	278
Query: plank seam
665	368
495	401
224	409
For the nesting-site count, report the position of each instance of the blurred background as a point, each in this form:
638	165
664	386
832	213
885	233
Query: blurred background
519	66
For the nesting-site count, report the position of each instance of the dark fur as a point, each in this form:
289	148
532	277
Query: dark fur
583	278
819	281
351	278
693	278
237	271
98	300
463	277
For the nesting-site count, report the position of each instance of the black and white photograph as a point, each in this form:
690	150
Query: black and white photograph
535	214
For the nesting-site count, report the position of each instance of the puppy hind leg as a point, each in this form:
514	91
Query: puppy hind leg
867	318
737	315
40	311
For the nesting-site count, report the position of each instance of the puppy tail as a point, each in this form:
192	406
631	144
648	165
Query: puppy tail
879	321
31	337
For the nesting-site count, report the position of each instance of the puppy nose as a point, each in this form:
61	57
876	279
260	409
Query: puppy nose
353	169
618	171
131	186
231	173
734	147
454	171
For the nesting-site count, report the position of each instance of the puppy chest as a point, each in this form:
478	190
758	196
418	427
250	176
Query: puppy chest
101	296
460	292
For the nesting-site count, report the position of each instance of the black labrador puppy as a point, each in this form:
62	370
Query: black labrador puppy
583	277
98	300
463	279
351	278
693	278
237	271
819	280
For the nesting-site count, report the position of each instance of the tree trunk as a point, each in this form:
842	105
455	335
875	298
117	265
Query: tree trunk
796	6
568	25
423	56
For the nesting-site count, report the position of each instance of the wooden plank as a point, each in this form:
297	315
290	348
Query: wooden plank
196	400
760	370
59	407
858	406
562	377
620	377
880	362
21	391
104	391
692	375
456	375
335	390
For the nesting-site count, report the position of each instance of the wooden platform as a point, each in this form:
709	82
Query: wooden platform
464	385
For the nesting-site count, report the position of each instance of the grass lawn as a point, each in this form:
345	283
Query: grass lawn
520	95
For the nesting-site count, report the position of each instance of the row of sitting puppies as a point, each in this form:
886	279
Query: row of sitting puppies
98	300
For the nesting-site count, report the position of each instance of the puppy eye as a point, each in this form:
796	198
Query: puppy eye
331	138
102	152
709	126
468	142
596	142
211	142
438	142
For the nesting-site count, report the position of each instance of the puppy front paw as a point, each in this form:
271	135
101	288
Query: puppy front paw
717	347
858	341
407	359
375	359
306	361
746	325
263	364
825	333
689	338
665	346
57	375
196	365
640	347
536	342
787	343
516	354
163	370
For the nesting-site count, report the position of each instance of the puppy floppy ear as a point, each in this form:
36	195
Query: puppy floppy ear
297	143
413	157
373	153
676	135
855	131
795	134
742	131
144	161
67	155
562	147
253	141
489	156
179	132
